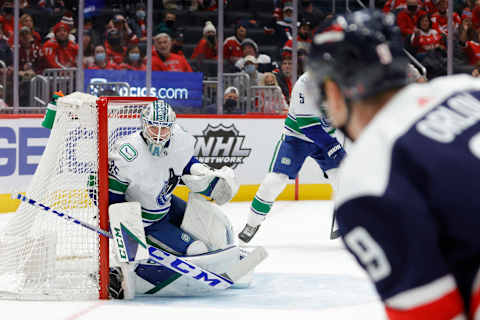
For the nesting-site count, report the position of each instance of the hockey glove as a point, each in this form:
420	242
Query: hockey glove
335	153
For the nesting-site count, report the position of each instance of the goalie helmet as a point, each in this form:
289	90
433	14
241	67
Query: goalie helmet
157	122
362	52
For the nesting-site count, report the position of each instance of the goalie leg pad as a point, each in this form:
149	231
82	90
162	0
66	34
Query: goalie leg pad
206	221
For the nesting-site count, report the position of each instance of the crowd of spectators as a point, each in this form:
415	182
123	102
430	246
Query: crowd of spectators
48	36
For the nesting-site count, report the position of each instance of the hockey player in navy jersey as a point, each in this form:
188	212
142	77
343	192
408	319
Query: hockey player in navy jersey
306	133
408	208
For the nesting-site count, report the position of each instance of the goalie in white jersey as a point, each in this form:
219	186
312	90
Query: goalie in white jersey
146	166
306	133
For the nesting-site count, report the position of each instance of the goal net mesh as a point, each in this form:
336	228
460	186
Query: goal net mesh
45	257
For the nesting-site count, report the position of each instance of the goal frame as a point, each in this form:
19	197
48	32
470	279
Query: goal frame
102	140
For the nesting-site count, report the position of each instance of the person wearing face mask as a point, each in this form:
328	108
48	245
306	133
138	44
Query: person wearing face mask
282	29
60	52
207	46
133	60
407	18
102	62
307	11
250	68
168	25
177	43
250	48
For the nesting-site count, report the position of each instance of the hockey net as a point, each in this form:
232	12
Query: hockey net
44	257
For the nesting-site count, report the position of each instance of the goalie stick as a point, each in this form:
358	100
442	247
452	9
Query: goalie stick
171	261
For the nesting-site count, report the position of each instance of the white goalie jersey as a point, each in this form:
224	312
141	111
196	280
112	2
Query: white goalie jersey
138	176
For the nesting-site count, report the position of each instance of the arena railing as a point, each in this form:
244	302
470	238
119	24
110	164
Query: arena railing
39	91
268	99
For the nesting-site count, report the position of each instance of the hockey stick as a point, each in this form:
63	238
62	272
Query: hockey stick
166	259
334	234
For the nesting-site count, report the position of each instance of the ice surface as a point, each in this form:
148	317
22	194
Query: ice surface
306	276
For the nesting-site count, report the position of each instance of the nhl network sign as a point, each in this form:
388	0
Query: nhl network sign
221	146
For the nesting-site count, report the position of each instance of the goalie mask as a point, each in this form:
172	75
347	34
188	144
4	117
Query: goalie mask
157	122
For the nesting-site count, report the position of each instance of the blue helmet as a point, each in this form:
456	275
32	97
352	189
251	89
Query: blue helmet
362	52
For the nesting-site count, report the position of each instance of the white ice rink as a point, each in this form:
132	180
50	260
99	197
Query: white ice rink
306	276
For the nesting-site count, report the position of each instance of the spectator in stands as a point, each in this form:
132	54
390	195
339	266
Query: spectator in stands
282	30
88	49
440	18
250	67
138	24
310	13
177	42
163	59
250	48
284	77
304	38
29	55
27	20
60	52
204	5
114	48
230	103
270	101
426	38
407	19
133	60
127	36
168	25
232	50
7	19
471	39
102	62
207	46
68	20
6	54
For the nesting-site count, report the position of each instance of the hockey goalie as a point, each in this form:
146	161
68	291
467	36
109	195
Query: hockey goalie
145	167
159	240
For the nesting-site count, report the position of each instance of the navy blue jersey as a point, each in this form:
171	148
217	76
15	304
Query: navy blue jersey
408	207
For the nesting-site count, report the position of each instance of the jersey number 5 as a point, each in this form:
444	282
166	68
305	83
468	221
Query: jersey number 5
369	253
301	98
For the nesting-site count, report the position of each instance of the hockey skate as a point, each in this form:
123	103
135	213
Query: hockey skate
248	232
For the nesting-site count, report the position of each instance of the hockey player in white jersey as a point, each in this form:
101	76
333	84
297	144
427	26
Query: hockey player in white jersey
145	167
408	208
306	133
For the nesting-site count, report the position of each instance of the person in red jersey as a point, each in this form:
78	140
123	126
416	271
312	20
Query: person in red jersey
60	52
440	18
425	37
407	18
232	49
207	46
163	59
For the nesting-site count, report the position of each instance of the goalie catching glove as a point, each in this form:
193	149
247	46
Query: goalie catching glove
220	185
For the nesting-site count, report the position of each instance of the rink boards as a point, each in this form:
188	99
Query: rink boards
244	143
